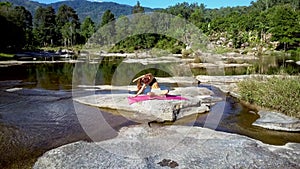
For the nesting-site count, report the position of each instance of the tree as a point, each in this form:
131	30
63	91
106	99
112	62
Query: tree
107	17
24	21
284	25
197	17
44	26
67	20
87	28
16	25
107	29
138	8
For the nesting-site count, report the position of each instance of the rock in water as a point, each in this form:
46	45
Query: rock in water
172	146
277	121
152	110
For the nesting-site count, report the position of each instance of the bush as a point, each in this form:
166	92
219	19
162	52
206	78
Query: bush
197	60
186	53
279	93
176	50
222	50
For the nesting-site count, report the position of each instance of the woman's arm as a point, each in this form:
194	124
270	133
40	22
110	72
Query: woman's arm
134	80
141	90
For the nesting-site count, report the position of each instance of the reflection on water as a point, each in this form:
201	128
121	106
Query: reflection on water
36	120
276	63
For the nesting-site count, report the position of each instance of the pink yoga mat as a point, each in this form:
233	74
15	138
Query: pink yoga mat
140	98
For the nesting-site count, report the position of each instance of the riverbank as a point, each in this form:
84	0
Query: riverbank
273	120
279	93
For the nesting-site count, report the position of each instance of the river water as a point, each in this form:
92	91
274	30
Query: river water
37	113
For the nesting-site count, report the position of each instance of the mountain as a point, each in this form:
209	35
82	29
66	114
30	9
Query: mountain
29	5
83	8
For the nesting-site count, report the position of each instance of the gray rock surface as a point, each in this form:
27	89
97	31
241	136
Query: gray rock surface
170	147
227	84
277	121
151	110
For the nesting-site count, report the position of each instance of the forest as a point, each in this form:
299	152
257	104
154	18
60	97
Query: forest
264	22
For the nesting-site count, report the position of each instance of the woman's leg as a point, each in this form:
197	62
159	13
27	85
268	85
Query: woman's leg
157	92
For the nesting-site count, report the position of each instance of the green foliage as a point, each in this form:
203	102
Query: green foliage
16	27
280	18
197	60
186	53
148	41
183	10
6	56
262	22
222	50
284	25
87	28
295	54
44	26
279	93
68	25
107	17
83	8
138	8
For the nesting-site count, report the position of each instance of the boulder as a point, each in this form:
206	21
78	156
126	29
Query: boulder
151	110
172	147
277	121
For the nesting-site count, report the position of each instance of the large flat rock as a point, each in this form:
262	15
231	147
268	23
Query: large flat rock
152	110
170	147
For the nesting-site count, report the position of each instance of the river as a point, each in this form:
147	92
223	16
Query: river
37	113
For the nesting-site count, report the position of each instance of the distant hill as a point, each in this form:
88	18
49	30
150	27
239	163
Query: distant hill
83	8
29	5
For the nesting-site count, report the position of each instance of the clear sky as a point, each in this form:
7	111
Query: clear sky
166	3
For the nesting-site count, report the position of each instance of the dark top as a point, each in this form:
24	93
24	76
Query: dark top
152	82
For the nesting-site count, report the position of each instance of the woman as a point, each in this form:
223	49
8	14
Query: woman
148	79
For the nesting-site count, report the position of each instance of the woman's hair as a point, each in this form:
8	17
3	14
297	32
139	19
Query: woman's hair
139	84
144	80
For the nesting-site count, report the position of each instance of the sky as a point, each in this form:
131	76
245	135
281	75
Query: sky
167	3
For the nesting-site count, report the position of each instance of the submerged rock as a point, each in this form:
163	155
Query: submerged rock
172	147
277	121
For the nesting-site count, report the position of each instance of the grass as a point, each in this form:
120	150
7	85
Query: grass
276	93
222	50
6	56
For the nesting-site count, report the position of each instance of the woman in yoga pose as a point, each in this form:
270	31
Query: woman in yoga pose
148	79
